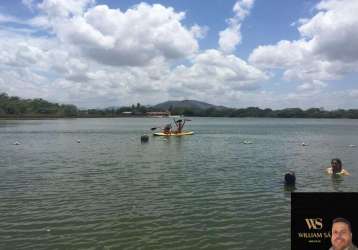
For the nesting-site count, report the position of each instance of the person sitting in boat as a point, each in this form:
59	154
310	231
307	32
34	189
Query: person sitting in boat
167	129
336	168
180	124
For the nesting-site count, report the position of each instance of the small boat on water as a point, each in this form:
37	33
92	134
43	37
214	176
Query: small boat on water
174	133
168	131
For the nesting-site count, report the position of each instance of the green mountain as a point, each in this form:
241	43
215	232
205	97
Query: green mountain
192	104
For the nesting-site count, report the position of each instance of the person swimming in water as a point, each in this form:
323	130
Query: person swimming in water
336	168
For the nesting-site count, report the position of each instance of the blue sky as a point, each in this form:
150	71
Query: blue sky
265	53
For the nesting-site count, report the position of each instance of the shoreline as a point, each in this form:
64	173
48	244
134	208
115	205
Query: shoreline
144	116
62	117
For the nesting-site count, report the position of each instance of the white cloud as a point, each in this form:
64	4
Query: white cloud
333	30
214	73
314	86
35	67
326	50
300	21
95	56
231	36
112	37
341	99
16	51
282	55
242	8
40	22
24	81
92	55
64	8
199	31
9	19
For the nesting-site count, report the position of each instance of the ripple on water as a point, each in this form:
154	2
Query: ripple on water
208	191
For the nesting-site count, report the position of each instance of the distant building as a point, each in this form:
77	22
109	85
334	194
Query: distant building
158	114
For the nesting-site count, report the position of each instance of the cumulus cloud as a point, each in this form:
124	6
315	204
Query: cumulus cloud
334	30
326	50
15	51
215	73
43	67
25	80
112	37
199	31
64	8
242	8
92	55
282	55
312	86
231	36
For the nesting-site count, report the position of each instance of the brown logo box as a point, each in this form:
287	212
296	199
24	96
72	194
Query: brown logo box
312	215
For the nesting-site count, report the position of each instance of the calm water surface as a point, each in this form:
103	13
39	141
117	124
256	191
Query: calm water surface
206	191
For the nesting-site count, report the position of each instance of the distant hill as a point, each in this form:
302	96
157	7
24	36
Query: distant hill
186	104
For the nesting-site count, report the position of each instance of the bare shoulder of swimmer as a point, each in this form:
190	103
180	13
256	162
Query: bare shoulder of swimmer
329	171
345	172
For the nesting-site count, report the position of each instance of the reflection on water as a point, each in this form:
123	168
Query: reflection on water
206	191
337	181
289	188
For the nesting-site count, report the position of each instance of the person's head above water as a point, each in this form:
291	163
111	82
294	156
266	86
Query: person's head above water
290	178
336	165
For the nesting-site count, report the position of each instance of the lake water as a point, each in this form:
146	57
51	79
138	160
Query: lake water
206	191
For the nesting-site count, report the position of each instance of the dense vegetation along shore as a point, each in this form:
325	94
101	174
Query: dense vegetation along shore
13	107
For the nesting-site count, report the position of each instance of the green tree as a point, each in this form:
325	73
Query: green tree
70	110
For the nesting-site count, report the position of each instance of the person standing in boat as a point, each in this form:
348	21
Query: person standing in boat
180	124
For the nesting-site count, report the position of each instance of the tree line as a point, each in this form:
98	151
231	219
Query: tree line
13	106
283	113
